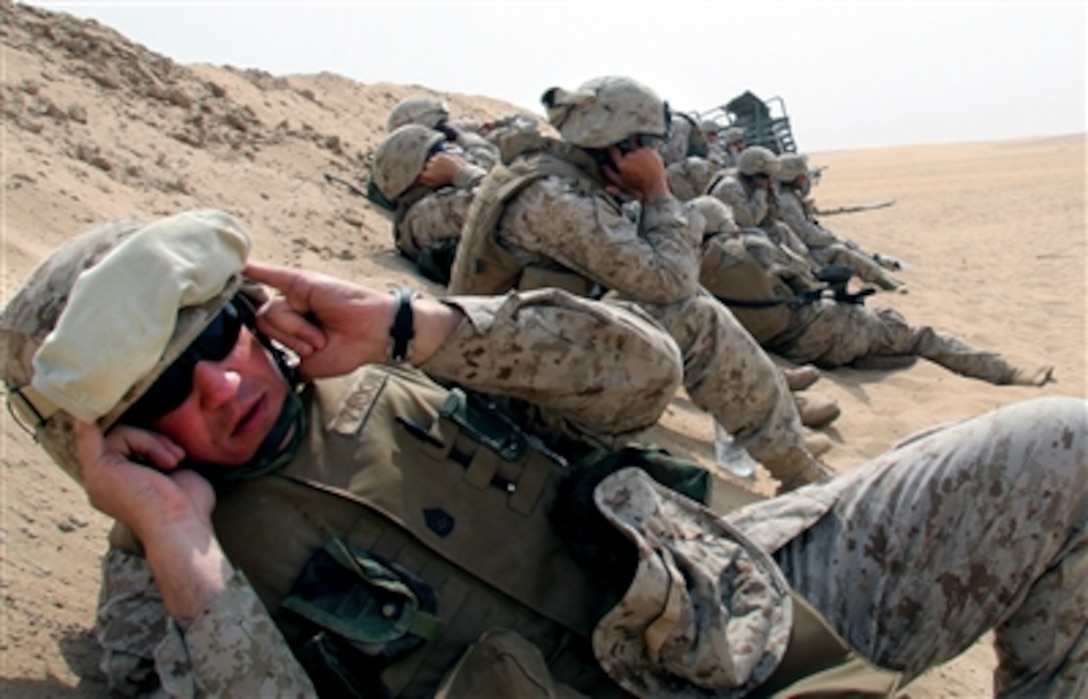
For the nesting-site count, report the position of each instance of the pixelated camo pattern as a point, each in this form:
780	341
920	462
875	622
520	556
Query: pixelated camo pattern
232	649
707	614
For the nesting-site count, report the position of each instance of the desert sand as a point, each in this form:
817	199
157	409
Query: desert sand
95	127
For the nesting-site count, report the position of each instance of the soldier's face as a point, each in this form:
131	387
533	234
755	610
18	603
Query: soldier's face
233	405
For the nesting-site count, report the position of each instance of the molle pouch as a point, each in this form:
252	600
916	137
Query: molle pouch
485	424
349	614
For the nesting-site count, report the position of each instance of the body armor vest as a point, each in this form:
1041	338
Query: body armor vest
443	526
422	493
757	297
482	265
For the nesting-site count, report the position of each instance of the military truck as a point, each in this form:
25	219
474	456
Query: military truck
765	123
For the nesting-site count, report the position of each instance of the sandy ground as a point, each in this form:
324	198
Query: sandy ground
95	127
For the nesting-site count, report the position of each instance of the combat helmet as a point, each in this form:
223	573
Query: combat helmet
425	111
104	315
757	160
732	135
794	165
401	157
709	126
605	111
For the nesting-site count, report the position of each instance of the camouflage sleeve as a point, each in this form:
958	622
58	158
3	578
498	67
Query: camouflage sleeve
654	259
602	369
792	268
129	624
792	213
680	182
748	212
689	177
675	149
232	649
478	150
718	155
434	219
469	175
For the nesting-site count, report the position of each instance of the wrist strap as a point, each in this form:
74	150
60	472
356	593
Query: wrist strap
402	330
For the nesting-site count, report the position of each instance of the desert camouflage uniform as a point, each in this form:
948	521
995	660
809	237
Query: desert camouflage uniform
496	130
750	209
986	521
434	113
683	139
828	333
768	211
594	372
654	262
717	154
478	150
911	558
678	144
435	218
824	247
689	177
232	649
729	137
983	525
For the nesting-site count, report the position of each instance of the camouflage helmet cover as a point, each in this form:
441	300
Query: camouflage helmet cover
605	111
732	135
757	160
32	316
794	165
400	158
709	126
425	111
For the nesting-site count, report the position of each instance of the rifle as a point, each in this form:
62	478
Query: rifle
854	209
333	179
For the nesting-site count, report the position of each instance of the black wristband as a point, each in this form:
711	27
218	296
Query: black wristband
402	330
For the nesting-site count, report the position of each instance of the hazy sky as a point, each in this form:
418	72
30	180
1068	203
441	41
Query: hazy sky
851	74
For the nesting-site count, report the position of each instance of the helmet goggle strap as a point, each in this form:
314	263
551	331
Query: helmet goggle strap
30	409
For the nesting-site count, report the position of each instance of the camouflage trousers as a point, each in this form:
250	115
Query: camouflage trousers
831	334
981	525
727	374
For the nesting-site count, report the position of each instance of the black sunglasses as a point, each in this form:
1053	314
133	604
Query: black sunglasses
176	383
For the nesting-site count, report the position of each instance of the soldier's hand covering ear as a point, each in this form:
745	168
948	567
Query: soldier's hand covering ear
640	172
150	501
440	170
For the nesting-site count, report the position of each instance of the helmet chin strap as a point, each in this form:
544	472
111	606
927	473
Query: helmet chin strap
276	451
